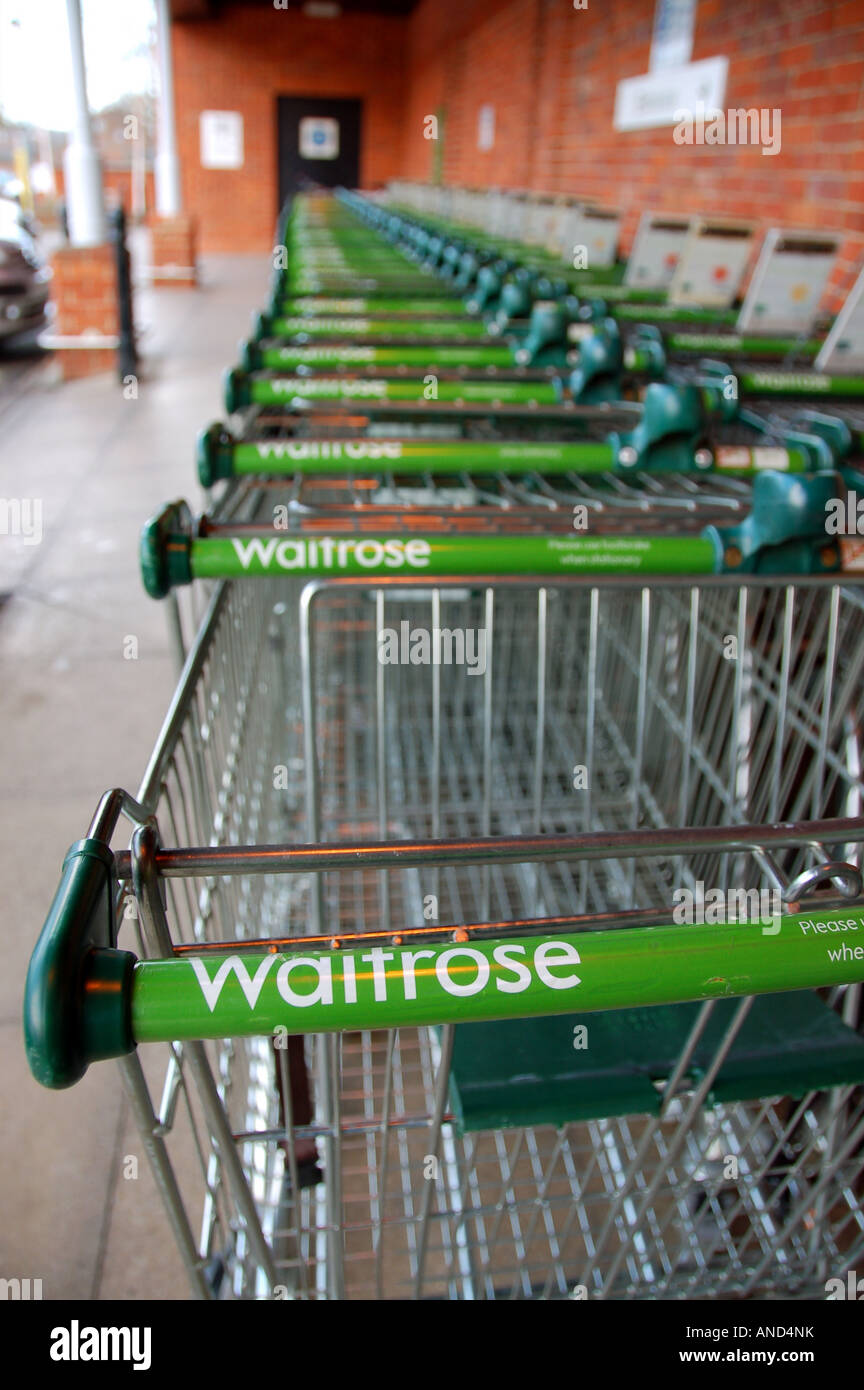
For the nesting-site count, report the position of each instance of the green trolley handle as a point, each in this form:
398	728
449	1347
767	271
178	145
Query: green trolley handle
345	356
784	533
244	388
675	423
79	986
334	326
800	383
392	987
220	456
352	304
86	1000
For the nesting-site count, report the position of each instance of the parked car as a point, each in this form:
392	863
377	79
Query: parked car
24	276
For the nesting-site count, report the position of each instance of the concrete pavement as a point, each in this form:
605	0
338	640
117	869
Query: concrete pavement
78	717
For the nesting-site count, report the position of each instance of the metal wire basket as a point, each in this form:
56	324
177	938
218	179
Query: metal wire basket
516	1073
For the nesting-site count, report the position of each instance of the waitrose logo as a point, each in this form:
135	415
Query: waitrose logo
790	381
327	449
458	971
328	386
332	325
326	354
329	553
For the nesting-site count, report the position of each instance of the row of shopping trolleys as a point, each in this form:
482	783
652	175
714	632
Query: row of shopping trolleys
493	894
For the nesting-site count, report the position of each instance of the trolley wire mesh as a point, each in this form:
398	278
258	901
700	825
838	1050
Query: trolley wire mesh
289	728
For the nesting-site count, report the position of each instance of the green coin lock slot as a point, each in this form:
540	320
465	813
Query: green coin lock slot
784	532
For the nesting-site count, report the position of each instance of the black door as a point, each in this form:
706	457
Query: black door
319	143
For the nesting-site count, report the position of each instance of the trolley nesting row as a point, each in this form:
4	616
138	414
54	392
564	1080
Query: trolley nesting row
467	722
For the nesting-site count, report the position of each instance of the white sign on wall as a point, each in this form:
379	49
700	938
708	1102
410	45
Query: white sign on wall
672	39
658	98
221	140
486	127
319	138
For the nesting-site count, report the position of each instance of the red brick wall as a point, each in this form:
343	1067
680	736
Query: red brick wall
245	59
84	289
461	57
550	71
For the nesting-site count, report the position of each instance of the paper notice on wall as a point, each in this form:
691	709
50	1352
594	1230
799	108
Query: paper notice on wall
486	127
319	138
221	140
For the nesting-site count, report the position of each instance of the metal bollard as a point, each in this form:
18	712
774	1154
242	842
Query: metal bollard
127	354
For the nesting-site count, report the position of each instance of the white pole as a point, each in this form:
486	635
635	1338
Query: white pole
167	164
82	169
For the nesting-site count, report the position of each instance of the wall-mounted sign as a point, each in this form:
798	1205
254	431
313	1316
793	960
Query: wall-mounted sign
672	39
221	140
486	127
319	138
658	98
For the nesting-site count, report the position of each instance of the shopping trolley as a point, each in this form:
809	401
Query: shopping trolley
318	262
599	301
529	1078
607	367
559	331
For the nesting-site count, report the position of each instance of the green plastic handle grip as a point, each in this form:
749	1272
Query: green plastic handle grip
86	1003
77	999
784	533
164	550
